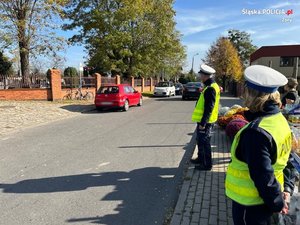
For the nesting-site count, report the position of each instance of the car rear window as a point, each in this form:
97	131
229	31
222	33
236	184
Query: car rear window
108	90
194	84
163	84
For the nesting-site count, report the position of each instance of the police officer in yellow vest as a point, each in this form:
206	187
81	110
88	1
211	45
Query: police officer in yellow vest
206	114
260	151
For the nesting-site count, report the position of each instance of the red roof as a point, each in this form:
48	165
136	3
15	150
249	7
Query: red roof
279	50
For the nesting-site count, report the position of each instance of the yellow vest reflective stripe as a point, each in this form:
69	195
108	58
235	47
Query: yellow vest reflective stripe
199	109
239	185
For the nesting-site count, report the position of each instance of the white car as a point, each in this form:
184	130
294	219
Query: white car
164	88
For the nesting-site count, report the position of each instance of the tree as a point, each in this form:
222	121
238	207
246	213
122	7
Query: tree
223	57
28	25
132	37
70	72
5	65
243	43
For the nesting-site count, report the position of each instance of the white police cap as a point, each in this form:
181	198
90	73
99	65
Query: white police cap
264	79
206	70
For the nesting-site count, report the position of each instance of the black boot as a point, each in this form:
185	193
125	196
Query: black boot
202	167
195	161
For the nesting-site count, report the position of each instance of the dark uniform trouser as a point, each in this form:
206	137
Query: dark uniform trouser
250	215
203	142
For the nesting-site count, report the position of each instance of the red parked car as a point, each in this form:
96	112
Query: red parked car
117	96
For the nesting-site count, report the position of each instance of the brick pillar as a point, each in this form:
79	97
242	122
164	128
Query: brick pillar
132	81
151	84
143	84
55	81
118	79
98	81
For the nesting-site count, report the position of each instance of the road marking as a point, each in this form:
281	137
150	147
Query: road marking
167	176
124	179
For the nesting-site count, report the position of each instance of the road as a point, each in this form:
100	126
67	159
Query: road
113	168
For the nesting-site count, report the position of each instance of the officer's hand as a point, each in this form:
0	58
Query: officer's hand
285	209
286	197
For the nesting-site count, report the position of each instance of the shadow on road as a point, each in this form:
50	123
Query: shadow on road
168	123
135	190
153	146
79	108
166	99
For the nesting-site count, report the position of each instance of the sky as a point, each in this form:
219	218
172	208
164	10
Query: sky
202	22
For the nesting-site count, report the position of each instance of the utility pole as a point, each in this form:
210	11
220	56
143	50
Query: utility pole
296	66
193	62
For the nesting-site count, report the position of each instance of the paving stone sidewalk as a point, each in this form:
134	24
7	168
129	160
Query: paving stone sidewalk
19	115
202	198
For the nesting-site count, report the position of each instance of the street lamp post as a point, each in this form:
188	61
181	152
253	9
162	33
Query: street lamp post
193	62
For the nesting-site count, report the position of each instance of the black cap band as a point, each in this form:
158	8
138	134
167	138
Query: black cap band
205	73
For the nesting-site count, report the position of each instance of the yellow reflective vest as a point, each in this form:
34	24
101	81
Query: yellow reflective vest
199	109
238	184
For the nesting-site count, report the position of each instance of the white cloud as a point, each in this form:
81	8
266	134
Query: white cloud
280	5
284	4
197	29
251	3
265	34
290	43
194	48
251	32
195	21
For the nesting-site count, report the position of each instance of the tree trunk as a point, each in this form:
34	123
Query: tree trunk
23	45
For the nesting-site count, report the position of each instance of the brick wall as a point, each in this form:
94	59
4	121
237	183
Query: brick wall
56	92
55	82
25	94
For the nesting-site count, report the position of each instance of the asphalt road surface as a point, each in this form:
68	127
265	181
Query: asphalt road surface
113	168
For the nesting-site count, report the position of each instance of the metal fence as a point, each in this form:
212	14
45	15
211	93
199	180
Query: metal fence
108	80
125	80
74	82
147	82
137	82
32	81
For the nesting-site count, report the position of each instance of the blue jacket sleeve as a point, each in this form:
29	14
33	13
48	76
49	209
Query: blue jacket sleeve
257	151
290	177
210	98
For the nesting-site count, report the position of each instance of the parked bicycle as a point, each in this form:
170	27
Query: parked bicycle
87	95
70	95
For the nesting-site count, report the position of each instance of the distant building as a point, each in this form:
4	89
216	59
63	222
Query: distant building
282	58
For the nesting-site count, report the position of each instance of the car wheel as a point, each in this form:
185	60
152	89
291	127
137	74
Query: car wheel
140	102
126	106
183	98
